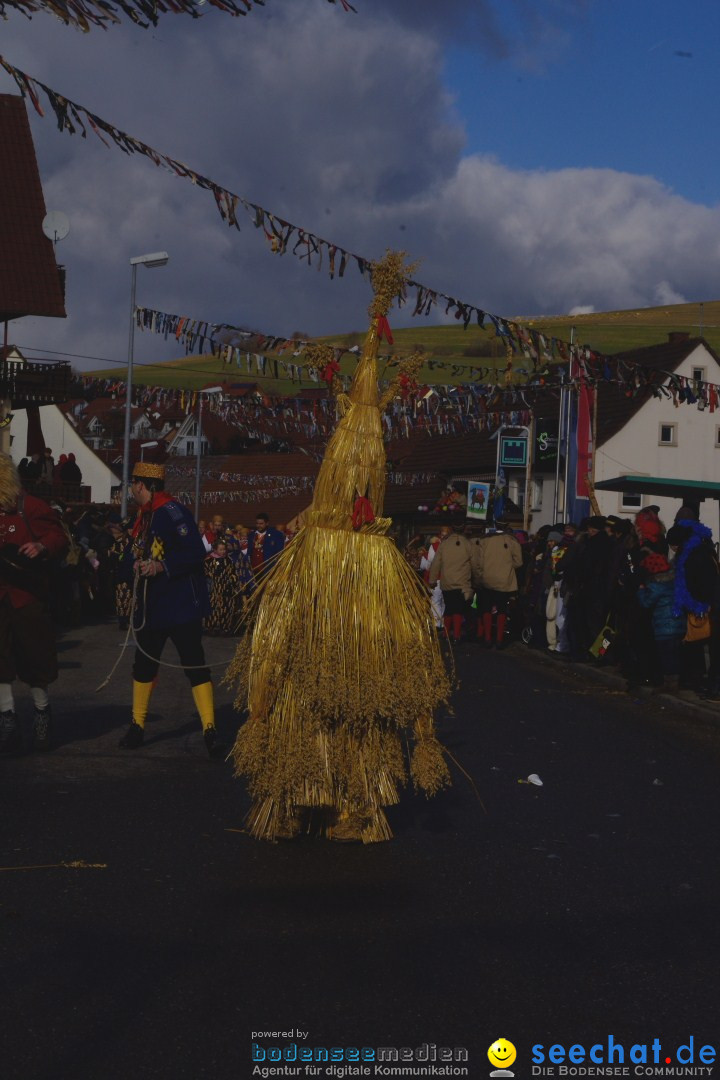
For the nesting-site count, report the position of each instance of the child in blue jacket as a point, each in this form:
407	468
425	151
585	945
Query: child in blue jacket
657	595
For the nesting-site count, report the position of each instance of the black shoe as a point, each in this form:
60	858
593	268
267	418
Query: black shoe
215	748
41	730
133	737
10	736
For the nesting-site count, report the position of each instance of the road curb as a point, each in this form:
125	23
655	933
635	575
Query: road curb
600	674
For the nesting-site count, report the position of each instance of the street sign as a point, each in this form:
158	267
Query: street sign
513	451
546	443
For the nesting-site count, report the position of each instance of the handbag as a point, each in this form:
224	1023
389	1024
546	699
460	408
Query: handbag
602	642
698	627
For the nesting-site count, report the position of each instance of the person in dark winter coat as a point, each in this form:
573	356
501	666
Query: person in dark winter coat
70	472
697	591
588	579
657	597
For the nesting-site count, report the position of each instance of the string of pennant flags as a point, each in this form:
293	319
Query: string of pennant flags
175	471
197	334
541	351
433	410
249	353
284	236
84	14
436	409
252	488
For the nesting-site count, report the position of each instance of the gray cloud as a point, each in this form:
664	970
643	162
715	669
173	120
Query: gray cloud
324	119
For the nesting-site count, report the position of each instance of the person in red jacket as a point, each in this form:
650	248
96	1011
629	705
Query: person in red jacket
30	533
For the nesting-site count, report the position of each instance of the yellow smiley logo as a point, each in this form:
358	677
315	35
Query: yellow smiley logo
502	1054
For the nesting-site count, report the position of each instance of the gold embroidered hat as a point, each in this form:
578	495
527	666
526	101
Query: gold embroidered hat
147	470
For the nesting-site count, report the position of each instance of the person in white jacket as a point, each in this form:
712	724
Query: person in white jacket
436	597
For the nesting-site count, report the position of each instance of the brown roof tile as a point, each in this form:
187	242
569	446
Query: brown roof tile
30	282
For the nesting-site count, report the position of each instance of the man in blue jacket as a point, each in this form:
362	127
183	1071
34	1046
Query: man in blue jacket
165	563
264	545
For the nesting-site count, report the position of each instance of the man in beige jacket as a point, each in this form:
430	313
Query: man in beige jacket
495	560
451	567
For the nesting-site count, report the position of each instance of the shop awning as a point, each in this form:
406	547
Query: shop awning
694	490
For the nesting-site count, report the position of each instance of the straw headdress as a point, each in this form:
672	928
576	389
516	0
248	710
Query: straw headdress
341	669
10	485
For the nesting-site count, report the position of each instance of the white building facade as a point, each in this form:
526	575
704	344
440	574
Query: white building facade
662	440
62	438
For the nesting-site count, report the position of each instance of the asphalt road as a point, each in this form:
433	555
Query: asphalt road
554	914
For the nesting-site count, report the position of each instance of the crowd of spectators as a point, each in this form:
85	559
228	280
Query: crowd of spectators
41	474
624	592
609	590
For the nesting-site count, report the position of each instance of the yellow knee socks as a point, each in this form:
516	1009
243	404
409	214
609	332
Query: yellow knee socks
141	700
203	695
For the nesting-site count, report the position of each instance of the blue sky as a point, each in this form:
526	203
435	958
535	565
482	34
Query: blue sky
605	87
538	156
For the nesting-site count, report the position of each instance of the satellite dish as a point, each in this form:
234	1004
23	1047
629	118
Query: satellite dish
56	226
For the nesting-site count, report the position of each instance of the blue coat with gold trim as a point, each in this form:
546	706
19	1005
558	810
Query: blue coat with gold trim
179	594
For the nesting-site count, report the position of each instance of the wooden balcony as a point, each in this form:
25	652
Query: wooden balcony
34	382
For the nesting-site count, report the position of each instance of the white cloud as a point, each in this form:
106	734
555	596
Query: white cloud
326	120
582	309
665	294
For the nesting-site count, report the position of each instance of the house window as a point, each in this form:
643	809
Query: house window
667	435
630	500
536	495
698	374
189	447
717	436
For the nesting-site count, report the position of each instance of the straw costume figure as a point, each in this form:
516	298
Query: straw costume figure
342	669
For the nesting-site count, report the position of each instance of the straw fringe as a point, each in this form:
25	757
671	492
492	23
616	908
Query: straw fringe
341	659
10	486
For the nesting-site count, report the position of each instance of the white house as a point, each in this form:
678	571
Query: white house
638	435
653	437
62	438
184	441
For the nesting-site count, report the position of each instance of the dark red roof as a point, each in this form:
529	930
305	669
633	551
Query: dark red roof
616	408
30	281
242	503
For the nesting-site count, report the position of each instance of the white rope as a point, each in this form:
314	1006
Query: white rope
132	629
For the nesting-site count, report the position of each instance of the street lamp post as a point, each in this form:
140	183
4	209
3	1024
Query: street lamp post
156	258
145	446
201	393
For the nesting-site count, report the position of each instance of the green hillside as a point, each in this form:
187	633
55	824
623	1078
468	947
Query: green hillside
451	346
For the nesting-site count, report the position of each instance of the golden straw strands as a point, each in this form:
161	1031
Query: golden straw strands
341	657
77	864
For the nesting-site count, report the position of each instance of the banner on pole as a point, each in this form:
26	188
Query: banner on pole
478	498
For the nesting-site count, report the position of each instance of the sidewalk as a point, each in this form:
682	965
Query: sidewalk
609	676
